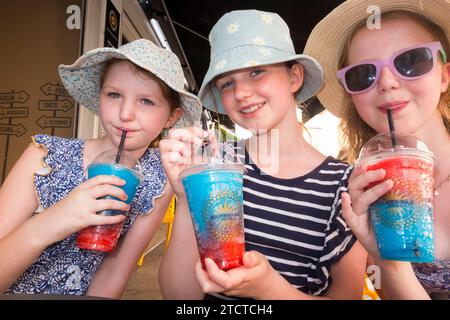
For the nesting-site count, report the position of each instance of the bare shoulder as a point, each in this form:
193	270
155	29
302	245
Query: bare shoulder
31	160
18	199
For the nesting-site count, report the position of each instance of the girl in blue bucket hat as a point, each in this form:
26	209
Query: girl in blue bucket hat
297	244
47	198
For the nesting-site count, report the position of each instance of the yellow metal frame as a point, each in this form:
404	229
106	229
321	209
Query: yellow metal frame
168	219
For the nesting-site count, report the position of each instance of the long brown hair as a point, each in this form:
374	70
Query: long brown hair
173	97
354	132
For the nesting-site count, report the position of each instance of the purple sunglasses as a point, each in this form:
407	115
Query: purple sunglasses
408	64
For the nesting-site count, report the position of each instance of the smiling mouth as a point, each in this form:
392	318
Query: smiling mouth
251	109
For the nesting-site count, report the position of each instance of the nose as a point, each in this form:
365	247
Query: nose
127	111
388	80
242	89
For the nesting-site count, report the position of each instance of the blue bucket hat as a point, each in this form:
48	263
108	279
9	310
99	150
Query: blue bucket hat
82	78
247	38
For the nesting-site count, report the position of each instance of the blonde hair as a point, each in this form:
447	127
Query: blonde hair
354	132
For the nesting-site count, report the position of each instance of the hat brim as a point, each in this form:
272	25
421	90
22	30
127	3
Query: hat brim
327	40
82	80
210	95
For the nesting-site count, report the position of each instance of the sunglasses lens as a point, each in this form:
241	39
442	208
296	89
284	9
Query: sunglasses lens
360	77
415	62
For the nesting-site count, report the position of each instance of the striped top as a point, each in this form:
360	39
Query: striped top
297	223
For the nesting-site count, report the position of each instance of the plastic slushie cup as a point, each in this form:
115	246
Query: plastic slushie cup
403	217
104	237
215	198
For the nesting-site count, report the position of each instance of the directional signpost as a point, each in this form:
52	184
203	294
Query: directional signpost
9	112
12	109
14	97
12	129
53	122
54	105
54	89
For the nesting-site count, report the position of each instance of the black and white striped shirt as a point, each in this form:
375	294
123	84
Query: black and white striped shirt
297	223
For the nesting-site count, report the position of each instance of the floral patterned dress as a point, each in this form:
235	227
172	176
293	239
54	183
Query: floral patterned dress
435	278
63	268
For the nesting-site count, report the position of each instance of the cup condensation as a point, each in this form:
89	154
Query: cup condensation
403	217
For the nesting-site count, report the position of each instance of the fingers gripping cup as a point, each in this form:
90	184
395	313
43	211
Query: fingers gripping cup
214	192
104	237
403	217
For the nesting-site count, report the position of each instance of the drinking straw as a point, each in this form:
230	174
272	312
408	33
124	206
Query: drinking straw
204	119
122	142
391	128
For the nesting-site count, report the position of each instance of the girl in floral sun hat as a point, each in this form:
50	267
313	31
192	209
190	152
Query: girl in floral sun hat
297	244
401	64
46	199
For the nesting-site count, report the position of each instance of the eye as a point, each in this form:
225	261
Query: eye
224	84
227	85
113	95
147	102
256	72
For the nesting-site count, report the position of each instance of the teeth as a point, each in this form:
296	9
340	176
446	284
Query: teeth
251	109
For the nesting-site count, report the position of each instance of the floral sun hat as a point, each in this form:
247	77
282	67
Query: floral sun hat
247	38
82	79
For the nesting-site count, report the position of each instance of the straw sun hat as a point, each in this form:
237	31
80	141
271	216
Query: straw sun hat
82	79
327	40
249	38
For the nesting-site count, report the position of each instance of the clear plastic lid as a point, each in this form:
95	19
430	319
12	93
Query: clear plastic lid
382	145
126	160
214	155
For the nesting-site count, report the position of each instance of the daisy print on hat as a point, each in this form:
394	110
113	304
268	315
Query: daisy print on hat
267	18
233	27
259	41
220	65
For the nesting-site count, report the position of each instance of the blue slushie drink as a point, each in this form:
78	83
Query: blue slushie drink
403	217
104	237
214	194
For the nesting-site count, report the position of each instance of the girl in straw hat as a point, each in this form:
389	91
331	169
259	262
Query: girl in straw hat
47	198
295	238
414	36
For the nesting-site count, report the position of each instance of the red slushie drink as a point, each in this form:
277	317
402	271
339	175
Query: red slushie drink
105	237
403	217
214	193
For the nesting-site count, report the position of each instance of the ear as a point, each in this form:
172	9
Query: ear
174	116
445	81
296	74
